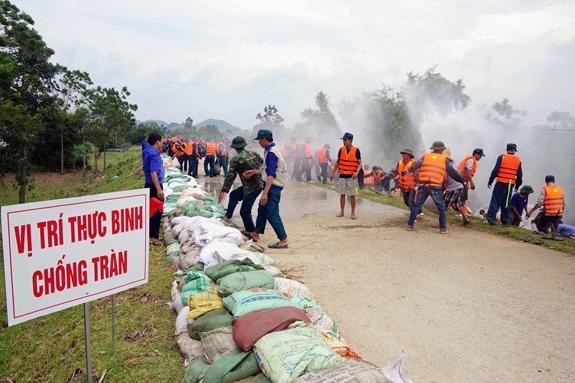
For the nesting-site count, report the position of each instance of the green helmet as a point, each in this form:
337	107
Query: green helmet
238	142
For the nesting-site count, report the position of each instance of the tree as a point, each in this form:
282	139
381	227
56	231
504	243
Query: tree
318	122
561	121
28	88
505	114
270	119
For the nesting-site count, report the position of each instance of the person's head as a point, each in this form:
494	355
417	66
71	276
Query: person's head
347	139
406	154
549	179
239	143
326	146
525	190
511	148
156	140
265	137
478	153
438	147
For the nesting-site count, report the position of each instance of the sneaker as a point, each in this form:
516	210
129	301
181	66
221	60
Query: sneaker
409	228
443	231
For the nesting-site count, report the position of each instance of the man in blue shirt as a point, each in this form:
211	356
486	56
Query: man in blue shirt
518	204
154	176
274	178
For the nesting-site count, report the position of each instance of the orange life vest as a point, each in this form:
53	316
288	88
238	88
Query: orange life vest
177	149
347	164
461	167
405	182
284	151
554	200
211	148
322	155
433	170
508	168
189	148
307	150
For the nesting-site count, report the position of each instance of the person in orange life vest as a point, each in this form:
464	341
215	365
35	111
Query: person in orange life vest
467	168
298	155
406	183
223	157
210	160
433	169
509	176
453	191
306	160
194	158
323	159
188	150
290	160
552	201
347	167
178	151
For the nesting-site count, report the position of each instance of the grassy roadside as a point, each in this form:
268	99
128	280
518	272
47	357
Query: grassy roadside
565	245
51	348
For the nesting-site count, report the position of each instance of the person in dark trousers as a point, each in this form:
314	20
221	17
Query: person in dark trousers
433	168
509	176
518	204
251	186
154	176
275	179
552	202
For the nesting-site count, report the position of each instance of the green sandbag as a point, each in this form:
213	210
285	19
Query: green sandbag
209	321
196	370
195	282
259	378
233	366
244	280
232	266
197	267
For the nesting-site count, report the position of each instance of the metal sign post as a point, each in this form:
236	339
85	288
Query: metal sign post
113	324
87	340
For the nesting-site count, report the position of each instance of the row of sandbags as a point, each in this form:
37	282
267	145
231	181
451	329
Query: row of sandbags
239	319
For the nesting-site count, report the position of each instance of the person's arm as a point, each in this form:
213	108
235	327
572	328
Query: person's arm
519	179
360	166
416	165
494	171
157	185
538	204
453	173
271	168
229	180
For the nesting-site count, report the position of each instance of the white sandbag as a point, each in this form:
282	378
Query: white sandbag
182	321
184	198
189	348
175	163
188	260
218	252
176	298
210	232
274	271
291	288
395	373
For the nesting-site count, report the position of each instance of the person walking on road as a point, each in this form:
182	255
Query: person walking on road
509	176
433	169
552	200
274	177
251	186
347	167
154	176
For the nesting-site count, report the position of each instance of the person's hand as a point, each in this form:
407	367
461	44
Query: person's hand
489	186
527	215
472	185
354	175
249	173
160	195
263	199
221	196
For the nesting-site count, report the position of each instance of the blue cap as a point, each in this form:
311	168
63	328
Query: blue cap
347	136
264	133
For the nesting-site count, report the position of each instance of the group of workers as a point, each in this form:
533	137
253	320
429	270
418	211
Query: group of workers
189	153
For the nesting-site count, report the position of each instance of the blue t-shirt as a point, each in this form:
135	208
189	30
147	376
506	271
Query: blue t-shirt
519	202
152	163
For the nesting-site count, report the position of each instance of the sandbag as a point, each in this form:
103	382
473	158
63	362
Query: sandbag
176	304
209	321
244	302
195	282
204	302
232	367
219	252
291	288
217	342
259	378
232	266
196	370
249	328
350	372
182	321
189	348
320	319
283	356
244	280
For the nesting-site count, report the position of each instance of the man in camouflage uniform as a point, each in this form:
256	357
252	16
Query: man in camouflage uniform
251	186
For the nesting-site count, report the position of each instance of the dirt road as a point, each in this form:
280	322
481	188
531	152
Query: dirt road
465	307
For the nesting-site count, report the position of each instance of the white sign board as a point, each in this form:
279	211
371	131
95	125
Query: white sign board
62	253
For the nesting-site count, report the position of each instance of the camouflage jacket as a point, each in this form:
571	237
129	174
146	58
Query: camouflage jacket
244	160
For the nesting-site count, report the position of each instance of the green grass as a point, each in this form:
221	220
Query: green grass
51	348
565	245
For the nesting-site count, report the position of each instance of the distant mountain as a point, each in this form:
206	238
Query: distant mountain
220	124
160	123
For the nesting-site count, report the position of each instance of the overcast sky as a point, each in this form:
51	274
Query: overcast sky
228	59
